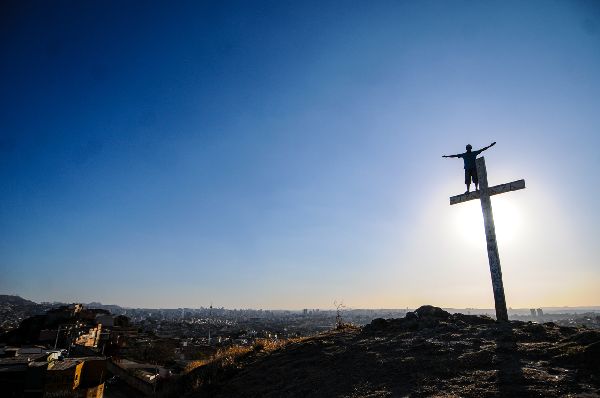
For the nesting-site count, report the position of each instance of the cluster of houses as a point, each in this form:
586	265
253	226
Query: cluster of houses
58	354
41	372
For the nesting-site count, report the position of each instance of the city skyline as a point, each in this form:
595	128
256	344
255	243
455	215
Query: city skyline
329	309
286	155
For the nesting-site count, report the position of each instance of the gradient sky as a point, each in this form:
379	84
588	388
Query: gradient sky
286	154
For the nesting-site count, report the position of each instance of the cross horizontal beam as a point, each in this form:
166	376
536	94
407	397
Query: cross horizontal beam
495	190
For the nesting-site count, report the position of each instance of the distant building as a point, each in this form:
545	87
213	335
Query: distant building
532	311
540	312
91	338
107	320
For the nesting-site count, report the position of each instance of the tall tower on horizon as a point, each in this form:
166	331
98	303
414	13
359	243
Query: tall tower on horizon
209	321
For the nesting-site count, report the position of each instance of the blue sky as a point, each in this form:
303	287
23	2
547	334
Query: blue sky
288	154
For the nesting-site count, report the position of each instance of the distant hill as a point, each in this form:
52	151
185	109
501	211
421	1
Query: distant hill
113	308
13	309
15	300
427	353
20	301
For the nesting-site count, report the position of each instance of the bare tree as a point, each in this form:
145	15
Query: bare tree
339	307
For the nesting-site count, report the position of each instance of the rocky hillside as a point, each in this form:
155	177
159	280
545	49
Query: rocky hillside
428	353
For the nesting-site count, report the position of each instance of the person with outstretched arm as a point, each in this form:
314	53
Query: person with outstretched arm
470	169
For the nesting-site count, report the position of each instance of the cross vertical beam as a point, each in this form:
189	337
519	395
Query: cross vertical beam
483	194
492	244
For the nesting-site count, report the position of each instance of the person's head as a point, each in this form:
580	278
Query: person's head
469	147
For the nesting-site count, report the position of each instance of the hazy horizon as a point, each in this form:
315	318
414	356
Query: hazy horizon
288	154
329	308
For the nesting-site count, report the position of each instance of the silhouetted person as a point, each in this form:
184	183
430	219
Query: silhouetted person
470	169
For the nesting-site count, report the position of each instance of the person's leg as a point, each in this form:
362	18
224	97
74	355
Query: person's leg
475	179
467	180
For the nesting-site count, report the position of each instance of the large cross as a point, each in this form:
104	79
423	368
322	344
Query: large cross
483	195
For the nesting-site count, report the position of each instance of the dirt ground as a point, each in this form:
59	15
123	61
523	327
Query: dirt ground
427	353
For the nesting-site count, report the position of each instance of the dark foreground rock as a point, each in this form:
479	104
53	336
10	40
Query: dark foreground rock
428	353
